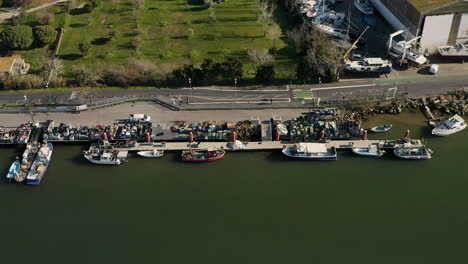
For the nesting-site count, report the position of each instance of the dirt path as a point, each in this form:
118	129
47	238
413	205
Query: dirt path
8	15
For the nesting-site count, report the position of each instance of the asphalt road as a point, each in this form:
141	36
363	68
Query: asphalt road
360	89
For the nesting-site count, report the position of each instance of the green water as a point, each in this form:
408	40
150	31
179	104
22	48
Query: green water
257	207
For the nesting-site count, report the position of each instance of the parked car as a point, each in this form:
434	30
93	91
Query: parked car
139	118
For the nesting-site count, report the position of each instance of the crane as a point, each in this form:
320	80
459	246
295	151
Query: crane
345	57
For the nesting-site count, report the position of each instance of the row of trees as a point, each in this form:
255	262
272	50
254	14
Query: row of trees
23	37
320	56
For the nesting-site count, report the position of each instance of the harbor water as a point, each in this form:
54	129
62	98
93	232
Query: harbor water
255	207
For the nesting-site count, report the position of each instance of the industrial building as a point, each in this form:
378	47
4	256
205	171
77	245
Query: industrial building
437	22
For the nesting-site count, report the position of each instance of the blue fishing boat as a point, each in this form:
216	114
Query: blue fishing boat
14	169
40	164
382	128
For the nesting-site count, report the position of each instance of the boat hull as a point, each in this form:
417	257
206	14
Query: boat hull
204	160
413	157
362	152
366	11
101	162
445	132
383	70
14	169
380	129
150	154
309	157
39	177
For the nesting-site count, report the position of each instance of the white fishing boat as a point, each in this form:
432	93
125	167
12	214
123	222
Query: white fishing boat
105	156
457	51
371	151
151	153
382	128
452	125
368	65
411	151
311	151
411	53
335	32
365	6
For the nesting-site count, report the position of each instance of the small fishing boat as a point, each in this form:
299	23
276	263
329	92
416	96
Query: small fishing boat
364	6
382	128
371	151
410	151
40	164
310	151
457	51
107	158
452	125
151	153
105	155
202	155
368	65
14	170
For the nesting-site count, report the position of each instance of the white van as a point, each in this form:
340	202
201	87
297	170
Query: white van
139	118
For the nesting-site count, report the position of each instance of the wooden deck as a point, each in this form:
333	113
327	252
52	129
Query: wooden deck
262	145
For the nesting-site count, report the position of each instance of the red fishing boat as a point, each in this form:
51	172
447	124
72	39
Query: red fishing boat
202	155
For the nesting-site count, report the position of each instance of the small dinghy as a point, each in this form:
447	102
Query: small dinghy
371	151
151	153
382	128
14	169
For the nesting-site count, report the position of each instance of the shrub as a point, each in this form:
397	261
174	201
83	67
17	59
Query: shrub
194	55
23	82
84	47
231	68
17	37
265	74
45	18
87	76
45	34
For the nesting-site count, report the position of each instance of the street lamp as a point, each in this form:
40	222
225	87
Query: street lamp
191	89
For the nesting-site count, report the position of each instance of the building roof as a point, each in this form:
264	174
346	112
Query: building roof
7	62
427	5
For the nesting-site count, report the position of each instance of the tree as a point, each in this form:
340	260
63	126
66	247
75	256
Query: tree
45	34
260	57
137	43
19	19
231	68
84	47
273	33
297	36
52	70
323	56
17	37
87	76
91	5
45	18
265	74
210	71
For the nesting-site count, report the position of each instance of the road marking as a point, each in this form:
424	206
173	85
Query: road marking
236	90
228	101
343	87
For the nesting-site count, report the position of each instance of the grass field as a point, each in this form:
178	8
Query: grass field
165	28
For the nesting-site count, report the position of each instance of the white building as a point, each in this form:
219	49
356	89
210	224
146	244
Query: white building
438	22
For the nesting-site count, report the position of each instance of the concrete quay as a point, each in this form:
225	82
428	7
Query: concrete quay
263	145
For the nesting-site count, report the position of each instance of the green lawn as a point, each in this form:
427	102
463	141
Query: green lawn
164	28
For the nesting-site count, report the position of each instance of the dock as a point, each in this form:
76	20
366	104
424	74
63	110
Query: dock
263	145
